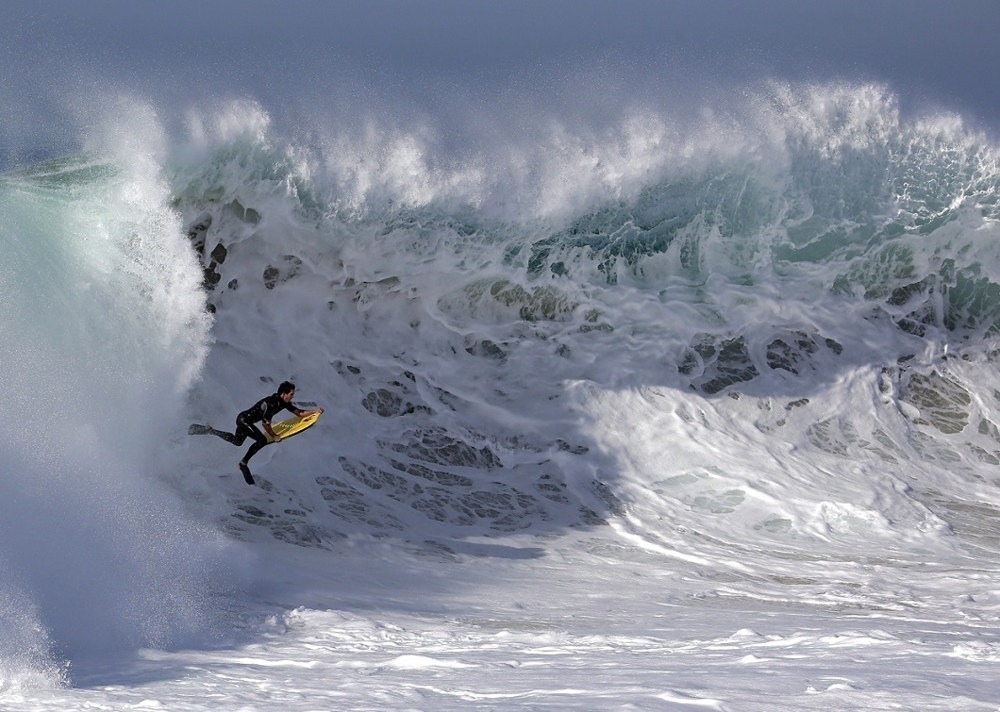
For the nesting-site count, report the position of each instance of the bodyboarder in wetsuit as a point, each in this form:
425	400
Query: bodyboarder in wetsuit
261	412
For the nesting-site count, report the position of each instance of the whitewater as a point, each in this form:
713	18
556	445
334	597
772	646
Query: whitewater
693	411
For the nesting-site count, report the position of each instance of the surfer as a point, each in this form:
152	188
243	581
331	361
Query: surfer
261	412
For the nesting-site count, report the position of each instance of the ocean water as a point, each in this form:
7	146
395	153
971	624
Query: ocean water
673	414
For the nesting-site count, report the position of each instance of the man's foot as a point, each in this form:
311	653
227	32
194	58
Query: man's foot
197	429
246	473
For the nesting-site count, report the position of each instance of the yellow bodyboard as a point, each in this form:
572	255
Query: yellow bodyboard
287	428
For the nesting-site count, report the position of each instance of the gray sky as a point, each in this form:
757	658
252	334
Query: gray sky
932	53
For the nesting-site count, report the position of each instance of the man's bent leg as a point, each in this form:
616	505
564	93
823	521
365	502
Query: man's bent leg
259	442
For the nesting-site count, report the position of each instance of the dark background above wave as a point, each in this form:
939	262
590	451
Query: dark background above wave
468	65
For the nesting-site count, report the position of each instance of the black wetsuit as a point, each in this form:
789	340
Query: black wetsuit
263	410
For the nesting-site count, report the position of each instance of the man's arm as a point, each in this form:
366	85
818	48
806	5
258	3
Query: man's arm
304	413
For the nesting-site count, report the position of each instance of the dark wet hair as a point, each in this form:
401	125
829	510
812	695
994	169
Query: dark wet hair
285	387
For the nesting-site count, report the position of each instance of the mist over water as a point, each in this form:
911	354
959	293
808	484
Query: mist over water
104	330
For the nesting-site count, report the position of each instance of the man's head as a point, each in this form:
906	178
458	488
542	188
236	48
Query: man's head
286	390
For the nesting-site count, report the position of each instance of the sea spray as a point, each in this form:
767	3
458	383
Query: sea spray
27	659
103	331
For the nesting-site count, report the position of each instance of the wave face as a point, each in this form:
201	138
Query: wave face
751	342
776	327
